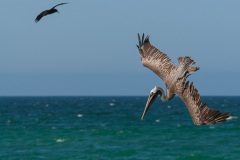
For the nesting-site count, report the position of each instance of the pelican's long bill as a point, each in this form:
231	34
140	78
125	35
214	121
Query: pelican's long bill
151	98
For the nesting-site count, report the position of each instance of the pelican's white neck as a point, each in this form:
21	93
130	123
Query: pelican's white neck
154	90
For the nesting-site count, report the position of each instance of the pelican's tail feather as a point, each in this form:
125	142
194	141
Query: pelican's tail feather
186	63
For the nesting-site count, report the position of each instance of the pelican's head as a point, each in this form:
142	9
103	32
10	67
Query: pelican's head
151	98
55	10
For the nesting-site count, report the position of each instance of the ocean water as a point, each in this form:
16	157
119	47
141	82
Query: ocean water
92	128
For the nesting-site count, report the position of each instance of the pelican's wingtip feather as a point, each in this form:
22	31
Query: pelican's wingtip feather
142	40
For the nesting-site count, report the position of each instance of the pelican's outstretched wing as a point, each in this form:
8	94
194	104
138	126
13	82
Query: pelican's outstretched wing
43	13
199	112
58	5
154	59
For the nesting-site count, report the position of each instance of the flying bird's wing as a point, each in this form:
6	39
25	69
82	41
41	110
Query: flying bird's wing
154	59
58	5
199	112
43	13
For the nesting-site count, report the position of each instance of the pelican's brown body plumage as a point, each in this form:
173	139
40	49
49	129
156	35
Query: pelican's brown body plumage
175	78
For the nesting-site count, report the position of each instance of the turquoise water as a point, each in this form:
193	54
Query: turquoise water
69	128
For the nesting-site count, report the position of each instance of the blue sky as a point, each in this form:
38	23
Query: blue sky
90	47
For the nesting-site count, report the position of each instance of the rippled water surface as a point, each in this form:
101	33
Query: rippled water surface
65	128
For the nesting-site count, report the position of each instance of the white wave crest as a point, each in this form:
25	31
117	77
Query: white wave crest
232	117
111	104
60	140
79	115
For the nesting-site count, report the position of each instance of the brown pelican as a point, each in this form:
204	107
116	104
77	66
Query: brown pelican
176	84
47	12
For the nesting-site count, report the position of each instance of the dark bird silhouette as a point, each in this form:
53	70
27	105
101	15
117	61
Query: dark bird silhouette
47	12
176	84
